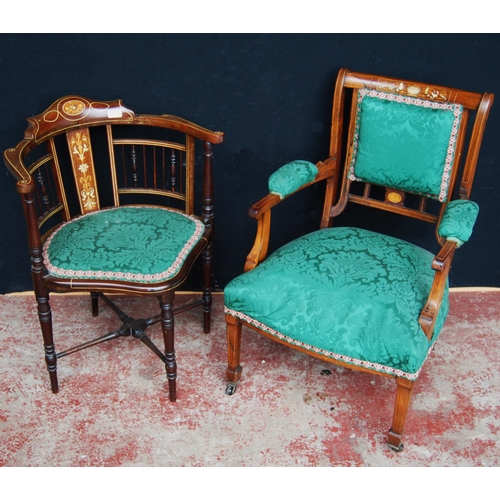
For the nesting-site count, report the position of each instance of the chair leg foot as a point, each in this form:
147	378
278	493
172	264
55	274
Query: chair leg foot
206	322
403	397
53	379
172	389
395	441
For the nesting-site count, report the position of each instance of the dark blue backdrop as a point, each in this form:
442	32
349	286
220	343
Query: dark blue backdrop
270	94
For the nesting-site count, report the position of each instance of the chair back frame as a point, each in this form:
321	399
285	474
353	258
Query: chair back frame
157	168
339	186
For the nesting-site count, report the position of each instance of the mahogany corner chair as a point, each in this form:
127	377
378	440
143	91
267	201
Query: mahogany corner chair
108	197
354	297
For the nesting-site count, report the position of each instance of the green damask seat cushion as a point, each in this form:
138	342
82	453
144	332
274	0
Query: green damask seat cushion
139	244
405	143
346	293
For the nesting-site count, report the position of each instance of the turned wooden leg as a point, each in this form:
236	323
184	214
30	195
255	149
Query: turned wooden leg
38	271
167	325
207	287
233	372
95	304
207	212
403	397
45	317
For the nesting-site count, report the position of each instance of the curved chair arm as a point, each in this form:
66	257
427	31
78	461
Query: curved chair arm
286	181
13	161
325	169
186	126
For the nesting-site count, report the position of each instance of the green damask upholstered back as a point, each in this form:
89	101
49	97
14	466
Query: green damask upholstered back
405	143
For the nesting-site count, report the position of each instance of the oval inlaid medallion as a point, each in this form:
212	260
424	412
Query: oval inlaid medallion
73	107
394	197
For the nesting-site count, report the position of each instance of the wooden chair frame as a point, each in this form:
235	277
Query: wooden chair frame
46	208
334	171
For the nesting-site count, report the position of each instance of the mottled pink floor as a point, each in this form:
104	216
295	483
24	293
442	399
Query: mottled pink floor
113	408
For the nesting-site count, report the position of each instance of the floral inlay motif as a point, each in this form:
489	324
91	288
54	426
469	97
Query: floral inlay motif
435	93
414	90
80	147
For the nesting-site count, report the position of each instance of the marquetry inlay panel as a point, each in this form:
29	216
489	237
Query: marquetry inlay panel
83	169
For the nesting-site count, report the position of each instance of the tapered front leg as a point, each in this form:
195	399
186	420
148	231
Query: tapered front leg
403	397
167	325
233	372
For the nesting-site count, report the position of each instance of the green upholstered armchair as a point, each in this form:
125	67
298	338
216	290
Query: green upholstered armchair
108	197
355	297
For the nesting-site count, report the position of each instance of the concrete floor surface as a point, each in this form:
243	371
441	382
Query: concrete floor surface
289	410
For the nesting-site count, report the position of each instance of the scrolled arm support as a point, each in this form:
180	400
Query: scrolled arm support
261	244
456	228
13	161
442	265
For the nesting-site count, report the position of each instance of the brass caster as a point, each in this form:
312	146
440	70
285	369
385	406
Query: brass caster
231	388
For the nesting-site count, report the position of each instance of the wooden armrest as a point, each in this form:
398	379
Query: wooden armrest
13	161
441	264
325	169
261	211
264	205
444	255
187	127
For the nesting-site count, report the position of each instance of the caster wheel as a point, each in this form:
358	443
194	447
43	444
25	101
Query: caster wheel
397	449
230	389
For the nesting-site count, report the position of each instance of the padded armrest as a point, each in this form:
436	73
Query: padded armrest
458	221
291	177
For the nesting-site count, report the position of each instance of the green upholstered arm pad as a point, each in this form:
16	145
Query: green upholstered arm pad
458	221
291	177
